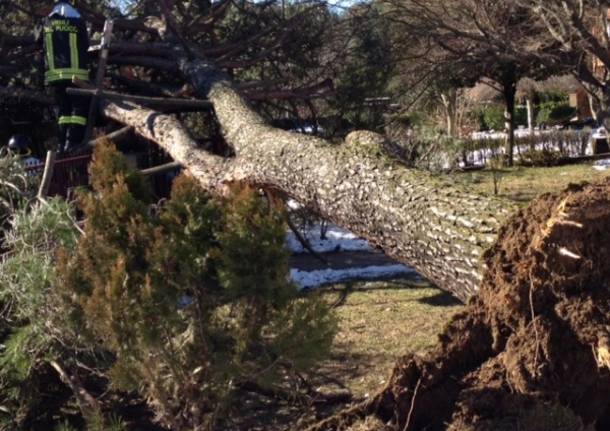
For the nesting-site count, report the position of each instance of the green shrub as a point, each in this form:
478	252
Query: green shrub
520	116
542	158
191	299
412	120
180	302
15	186
554	113
491	117
408	142
33	326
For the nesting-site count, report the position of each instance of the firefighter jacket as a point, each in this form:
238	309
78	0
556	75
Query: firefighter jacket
65	46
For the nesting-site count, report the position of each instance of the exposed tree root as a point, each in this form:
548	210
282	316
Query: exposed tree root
530	352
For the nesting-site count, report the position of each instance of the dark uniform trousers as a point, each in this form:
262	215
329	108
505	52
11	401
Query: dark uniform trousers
72	116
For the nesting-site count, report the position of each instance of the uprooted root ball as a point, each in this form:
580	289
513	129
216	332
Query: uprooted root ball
532	350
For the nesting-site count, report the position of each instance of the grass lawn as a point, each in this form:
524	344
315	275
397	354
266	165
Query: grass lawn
379	322
523	184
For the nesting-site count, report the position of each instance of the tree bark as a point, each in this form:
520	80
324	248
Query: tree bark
530	116
510	89
449	100
47	175
603	114
429	223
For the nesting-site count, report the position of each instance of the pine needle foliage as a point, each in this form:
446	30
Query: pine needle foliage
15	186
191	297
33	326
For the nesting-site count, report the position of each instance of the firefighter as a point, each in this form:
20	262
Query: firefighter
66	47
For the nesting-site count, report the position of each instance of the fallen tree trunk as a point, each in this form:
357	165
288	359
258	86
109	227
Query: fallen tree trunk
531	346
423	220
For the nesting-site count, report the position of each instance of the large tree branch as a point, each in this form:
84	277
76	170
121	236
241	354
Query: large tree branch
212	171
421	220
157	102
412	215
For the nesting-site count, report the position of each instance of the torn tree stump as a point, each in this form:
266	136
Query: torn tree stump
532	347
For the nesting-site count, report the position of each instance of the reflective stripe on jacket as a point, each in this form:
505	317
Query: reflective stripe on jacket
65	44
72	119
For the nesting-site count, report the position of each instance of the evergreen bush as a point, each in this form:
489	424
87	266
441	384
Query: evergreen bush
491	117
34	328
15	186
191	299
178	303
543	158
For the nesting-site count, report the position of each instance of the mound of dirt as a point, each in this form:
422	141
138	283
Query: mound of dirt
531	351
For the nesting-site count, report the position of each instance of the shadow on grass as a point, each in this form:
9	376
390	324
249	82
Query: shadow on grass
441	299
380	284
345	368
343	290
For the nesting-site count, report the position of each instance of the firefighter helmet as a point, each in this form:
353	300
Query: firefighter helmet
65	10
20	144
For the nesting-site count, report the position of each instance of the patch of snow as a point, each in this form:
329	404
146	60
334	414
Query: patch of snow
293	205
307	130
488	134
307	279
602	165
481	156
337	239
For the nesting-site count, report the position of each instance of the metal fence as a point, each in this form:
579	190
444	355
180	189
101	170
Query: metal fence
68	174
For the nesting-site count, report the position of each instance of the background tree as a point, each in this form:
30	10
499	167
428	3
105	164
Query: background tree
472	41
263	45
361	46
580	28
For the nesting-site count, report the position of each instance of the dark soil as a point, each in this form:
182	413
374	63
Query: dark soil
524	353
